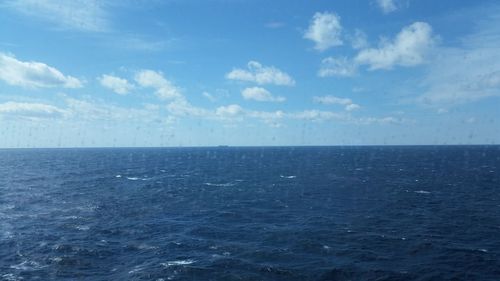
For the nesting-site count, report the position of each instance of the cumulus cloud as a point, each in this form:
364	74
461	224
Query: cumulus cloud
260	74
329	100
342	67
153	79
408	48
260	94
32	110
33	74
118	85
387	6
83	15
325	31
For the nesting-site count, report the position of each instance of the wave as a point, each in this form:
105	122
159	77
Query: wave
28	265
177	263
220	184
422	192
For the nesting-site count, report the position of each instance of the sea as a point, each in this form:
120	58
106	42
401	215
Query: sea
251	213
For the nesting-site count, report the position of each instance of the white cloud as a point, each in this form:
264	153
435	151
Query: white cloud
33	74
84	15
352	106
31	110
316	115
118	85
329	100
260	94
260	74
332	100
379	120
325	30
342	66
387	6
92	110
359	39
152	79
408	48
181	107
229	110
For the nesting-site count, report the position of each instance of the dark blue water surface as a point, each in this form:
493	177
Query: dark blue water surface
308	213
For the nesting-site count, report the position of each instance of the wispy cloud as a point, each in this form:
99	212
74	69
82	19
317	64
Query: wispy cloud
30	74
470	71
325	31
83	15
275	24
30	110
330	100
387	6
260	74
140	43
359	39
341	66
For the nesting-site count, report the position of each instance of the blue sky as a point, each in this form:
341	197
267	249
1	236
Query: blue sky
200	73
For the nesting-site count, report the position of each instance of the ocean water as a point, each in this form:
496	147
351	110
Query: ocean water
289	213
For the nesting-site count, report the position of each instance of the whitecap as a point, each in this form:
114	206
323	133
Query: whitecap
11	277
138	268
118	176
422	192
56	259
288	177
482	250
133	178
71	217
27	265
146	247
177	263
220	184
82	227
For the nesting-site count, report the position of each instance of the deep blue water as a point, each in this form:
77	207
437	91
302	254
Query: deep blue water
308	213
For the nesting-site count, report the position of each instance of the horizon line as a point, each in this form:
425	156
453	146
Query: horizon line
243	146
